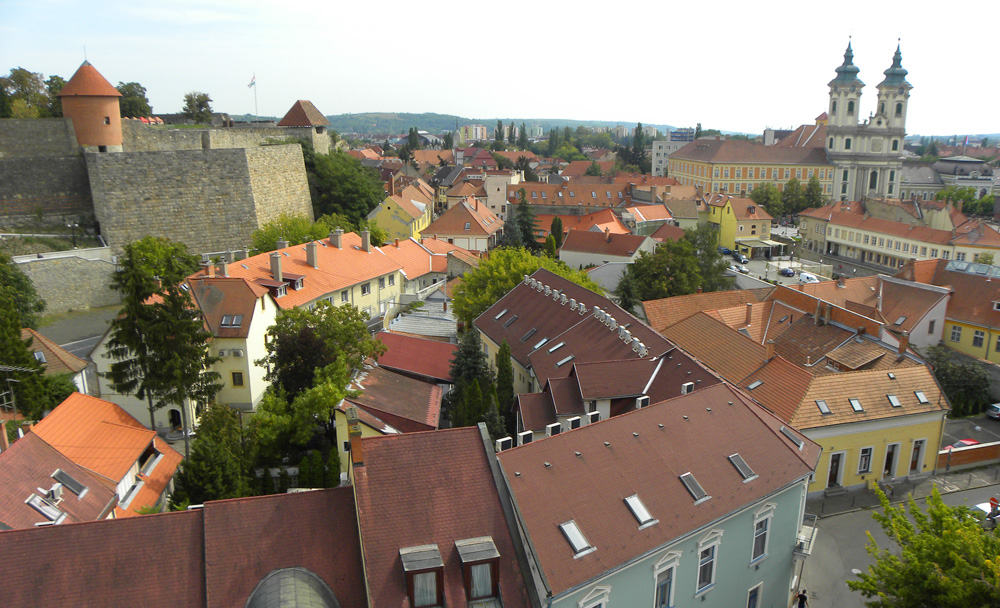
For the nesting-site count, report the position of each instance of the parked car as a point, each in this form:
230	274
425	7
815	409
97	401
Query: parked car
743	269
964	443
786	272
725	250
808	277
993	411
739	257
733	268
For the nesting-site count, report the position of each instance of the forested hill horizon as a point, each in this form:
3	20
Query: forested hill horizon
401	122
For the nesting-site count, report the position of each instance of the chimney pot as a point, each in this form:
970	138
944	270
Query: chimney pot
904	343
336	237
276	266
749	313
366	240
312	257
770	349
282	244
224	268
397	243
209	269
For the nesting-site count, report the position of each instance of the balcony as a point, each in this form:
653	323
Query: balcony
806	537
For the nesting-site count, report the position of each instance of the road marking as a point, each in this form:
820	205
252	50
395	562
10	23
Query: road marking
98	337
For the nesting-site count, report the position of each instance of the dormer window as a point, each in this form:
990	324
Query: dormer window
480	567
279	291
231	320
424	571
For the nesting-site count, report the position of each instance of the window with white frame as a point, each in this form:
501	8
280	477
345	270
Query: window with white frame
865	461
597	598
956	333
664	574
761	526
366	289
707	556
978	336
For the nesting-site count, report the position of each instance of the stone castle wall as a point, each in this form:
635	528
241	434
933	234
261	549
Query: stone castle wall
71	282
278	181
138	137
35	137
53	188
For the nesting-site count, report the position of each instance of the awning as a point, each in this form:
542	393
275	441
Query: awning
757	243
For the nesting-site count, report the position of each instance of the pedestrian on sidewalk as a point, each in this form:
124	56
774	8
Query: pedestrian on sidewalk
801	600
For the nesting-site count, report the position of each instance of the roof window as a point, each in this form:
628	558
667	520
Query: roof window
576	539
39	356
69	482
564	361
528	334
540	343
510	321
557	347
891	375
639	511
49	510
502	313
894	400
694	488
823	408
741	465
468	225
856	405
232	320
754	384
900	320
921	397
787	432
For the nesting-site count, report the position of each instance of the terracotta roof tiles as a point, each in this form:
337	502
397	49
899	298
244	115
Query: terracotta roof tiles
428	358
665	312
406	403
738	151
477	216
88	82
586	241
303	114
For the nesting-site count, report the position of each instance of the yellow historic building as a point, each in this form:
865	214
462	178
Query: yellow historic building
744	226
407	213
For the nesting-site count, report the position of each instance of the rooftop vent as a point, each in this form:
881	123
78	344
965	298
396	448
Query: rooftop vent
741	465
572	303
641	401
582	309
555	295
548	290
563	299
593	416
787	432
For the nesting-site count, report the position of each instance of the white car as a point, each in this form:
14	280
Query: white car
808	277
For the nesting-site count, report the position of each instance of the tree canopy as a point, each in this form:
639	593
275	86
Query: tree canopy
711	265
219	464
964	381
672	270
28	94
21	292
767	196
501	272
293	228
939	557
133	101
197	107
339	183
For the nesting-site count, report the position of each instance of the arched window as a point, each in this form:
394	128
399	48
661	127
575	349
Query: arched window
847	143
831	143
881	108
833	107
850	108
899	109
873	180
895	145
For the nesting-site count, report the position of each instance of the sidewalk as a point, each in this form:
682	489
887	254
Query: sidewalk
862	498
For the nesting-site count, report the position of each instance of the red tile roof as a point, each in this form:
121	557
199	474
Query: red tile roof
665	312
743	208
650	213
586	241
303	114
221	296
447	475
806	136
668	232
603	219
87	81
406	403
427	358
646	459
57	359
972	294
477	216
739	151
578	168
731	354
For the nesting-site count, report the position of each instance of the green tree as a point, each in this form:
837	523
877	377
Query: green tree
197	107
556	230
639	156
5	109
954	194
218	466
53	86
767	196
792	197
550	247
498	136
340	184
553	142
311	474
295	229
711	265
672	270
449	141
29	390
625	293
511	134
502	161
523	165
501	272
938	557
27	93
524	219
594	169
133	101
505	384
813	196
568	152
965	383
522	138
413	139
21	292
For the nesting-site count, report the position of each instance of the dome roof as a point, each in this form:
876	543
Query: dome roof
292	587
88	81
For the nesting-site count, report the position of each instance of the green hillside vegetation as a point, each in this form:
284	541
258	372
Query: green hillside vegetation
400	122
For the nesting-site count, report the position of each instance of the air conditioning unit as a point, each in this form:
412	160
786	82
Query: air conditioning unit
593	417
237	352
643	401
504	443
574	422
687	387
553	429
524	437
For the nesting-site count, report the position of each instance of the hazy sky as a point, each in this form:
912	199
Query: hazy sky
740	66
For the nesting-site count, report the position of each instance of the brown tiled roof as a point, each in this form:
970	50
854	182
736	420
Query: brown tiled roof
805	343
665	312
603	219
477	215
571	194
57	359
29	465
447	475
743	208
406	403
303	114
602	243
472	187
683	208
537	410
668	232
220	296
427	358
729	353
646	459
433	157
576	168
87	81
972	295
739	151
856	354
420	257
650	213
806	136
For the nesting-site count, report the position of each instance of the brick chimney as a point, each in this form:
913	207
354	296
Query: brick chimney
749	313
276	266
904	343
336	237
311	254
607	234
354	434
840	281
769	353
397	243
4	444
209	269
391	185
366	240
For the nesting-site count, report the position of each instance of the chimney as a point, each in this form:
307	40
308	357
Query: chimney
243	253
224	268
818	316
397	243
749	313
607	234
366	240
4	444
826	313
809	359
840	281
229	256
354	433
769	353
276	266
336	237
282	244
311	254
209	269
904	343
392	186
652	194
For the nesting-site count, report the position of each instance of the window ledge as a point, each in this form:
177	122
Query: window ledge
704	590
758	560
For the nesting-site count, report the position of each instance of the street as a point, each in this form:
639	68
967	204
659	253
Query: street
840	548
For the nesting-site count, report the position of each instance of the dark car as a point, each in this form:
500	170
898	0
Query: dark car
786	272
725	250
739	257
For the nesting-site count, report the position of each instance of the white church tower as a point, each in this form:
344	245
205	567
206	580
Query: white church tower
867	156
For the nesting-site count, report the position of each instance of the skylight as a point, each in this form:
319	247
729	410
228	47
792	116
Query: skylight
754	384
787	432
508	322
540	343
577	541
232	320
557	347
564	361
639	511
40	356
856	405
894	400
921	397
741	465
891	375
50	511
900	320
69	482
694	488
528	334
502	313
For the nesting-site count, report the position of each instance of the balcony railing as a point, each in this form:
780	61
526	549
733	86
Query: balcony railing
806	536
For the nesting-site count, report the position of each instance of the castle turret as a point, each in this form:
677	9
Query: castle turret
92	103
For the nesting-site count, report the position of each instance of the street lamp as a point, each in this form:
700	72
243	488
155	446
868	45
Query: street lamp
73	226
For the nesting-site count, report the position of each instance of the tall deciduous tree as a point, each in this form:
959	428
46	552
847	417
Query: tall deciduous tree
556	230
295	229
672	270
792	197
133	101
625	293
219	466
197	107
21	293
767	196
813	196
594	169
340	184
53	85
501	272
27	93
711	265
939	557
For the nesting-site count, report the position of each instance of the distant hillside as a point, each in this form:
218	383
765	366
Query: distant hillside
400	122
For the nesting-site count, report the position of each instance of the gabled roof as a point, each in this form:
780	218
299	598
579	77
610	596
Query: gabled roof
682	208
649	213
576	168
220	297
806	136
665	312
974	288
599	243
447	474
430	359
477	216
730	353
420	257
88	82
743	208
406	403
433	157
303	114
602	219
633	454
739	151
472	187
57	359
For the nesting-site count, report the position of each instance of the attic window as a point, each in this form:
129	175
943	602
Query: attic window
577	541
50	511
694	488
639	511
468	225
823	408
69	482
529	333
557	347
921	397
856	405
509	321
39	356
891	375
754	384
564	361
792	437
540	343
480	562
894	400
423	568
900	320
502	313
232	320
996	306
783	319
741	465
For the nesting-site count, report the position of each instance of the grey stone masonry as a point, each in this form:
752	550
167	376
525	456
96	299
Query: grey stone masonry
48	186
34	137
278	181
71	282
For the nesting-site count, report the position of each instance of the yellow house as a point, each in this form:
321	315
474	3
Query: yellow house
744	225
407	213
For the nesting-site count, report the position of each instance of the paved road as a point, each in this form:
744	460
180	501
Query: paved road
980	428
840	547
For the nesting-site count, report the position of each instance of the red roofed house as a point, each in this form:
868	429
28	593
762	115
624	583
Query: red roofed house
645	219
470	225
585	248
305	120
406	213
417	357
55	359
428	262
603	220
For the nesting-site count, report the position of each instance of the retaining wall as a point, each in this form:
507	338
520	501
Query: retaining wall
70	282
